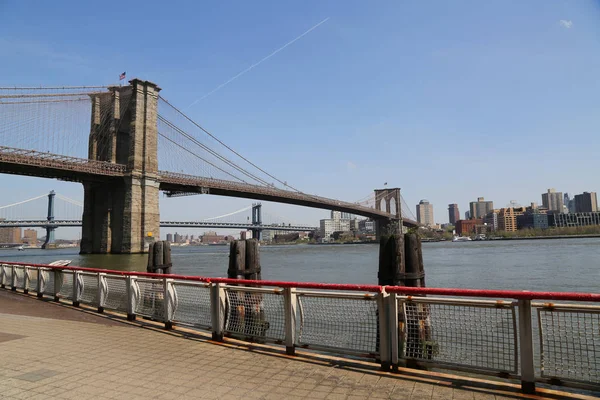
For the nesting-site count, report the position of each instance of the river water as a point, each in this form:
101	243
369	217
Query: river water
554	265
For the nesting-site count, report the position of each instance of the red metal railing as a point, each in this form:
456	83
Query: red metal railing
405	290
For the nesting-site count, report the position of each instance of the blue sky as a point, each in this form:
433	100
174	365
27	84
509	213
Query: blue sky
447	100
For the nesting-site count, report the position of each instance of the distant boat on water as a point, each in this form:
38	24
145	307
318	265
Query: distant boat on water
461	239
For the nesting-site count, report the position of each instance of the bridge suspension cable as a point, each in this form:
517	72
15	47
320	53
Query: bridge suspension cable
24	201
228	214
195	124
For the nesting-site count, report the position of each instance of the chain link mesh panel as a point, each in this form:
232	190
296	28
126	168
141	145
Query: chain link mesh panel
89	291
193	305
33	279
570	344
48	282
66	288
116	293
151	301
20	277
257	316
337	322
482	337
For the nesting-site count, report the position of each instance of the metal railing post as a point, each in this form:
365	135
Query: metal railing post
130	292
384	330
26	280
290	304
77	285
58	281
40	273
526	347
13	278
169	302
393	325
102	291
2	275
217	310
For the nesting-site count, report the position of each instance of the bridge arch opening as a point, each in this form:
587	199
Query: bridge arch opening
393	206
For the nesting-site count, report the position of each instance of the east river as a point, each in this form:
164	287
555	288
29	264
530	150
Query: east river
554	265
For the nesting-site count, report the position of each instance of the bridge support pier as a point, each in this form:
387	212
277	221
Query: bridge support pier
256	220
122	216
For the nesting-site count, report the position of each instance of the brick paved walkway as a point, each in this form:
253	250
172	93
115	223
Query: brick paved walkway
71	354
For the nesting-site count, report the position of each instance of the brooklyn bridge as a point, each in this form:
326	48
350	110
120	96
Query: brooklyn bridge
126	144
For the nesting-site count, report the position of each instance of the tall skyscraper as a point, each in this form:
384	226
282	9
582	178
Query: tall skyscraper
480	208
553	200
170	237
425	213
453	213
586	202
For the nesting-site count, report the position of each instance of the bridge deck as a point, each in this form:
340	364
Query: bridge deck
97	357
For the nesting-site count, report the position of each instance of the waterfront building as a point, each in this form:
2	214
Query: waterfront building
170	237
466	227
586	202
267	235
177	238
30	236
331	225
366	226
532	220
553	200
574	219
507	218
491	220
478	209
10	235
453	213
425	213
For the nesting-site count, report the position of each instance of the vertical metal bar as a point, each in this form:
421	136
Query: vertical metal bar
168	303
102	289
58	280
13	278
392	301
130	292
384	330
217	310
2	275
290	303
26	280
39	291
76	288
526	346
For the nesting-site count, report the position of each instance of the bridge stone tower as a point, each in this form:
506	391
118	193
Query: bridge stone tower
119	215
256	220
388	200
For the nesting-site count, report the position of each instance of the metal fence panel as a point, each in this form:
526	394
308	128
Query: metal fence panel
570	343
479	335
7	276
66	287
255	315
89	289
150	302
345	323
33	279
116	293
19	277
47	276
192	305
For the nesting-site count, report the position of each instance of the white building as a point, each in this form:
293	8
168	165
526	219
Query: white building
334	224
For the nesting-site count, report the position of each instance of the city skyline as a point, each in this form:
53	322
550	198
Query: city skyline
530	78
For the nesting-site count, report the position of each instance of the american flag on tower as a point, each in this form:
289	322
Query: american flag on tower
122	76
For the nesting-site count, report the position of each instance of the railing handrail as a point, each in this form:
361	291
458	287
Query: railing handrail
512	294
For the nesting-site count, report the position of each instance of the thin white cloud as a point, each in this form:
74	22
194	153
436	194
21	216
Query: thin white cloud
566	23
350	166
